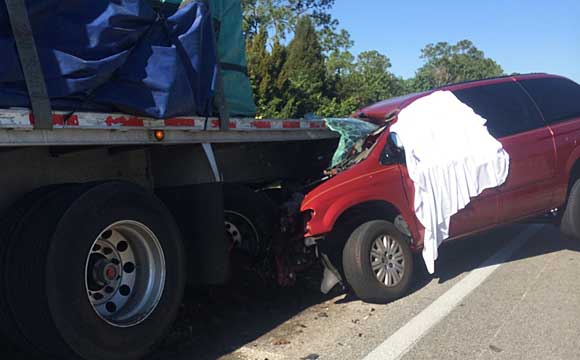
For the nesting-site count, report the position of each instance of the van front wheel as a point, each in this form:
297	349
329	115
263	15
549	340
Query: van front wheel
378	262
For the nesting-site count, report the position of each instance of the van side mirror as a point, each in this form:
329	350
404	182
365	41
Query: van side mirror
394	141
393	153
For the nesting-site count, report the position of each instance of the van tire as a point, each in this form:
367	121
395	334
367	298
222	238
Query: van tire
570	225
359	271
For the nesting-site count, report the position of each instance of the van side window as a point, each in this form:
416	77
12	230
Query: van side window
557	98
506	107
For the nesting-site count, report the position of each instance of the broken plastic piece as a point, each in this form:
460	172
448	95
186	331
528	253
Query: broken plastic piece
331	276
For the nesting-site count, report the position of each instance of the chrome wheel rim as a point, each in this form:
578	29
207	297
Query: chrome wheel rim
241	232
387	260
125	273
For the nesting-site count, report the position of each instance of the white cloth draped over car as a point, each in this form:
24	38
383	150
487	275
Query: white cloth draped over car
451	158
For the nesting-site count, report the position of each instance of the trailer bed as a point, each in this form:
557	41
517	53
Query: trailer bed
91	128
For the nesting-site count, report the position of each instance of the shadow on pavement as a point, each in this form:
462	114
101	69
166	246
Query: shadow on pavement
216	321
464	255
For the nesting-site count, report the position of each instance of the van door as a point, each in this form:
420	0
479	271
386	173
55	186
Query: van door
559	101
515	121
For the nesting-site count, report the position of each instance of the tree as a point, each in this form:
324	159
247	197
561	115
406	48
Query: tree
372	81
277	86
334	107
367	80
446	63
258	60
304	71
280	17
339	67
358	83
340	64
332	40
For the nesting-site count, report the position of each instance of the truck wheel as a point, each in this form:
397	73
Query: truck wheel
100	274
378	262
250	220
8	223
570	225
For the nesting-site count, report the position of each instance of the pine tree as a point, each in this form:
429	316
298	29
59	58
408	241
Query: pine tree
277	87
258	60
304	71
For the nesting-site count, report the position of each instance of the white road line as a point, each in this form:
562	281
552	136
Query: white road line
403	339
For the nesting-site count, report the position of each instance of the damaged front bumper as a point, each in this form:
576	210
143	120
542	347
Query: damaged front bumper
331	276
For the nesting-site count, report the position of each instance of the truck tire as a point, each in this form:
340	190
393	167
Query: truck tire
9	221
570	225
378	262
100	275
250	220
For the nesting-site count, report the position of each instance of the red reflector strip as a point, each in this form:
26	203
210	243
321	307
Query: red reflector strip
288	124
317	125
179	122
261	124
59	119
124	121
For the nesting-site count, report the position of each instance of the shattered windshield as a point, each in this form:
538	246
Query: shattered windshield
357	139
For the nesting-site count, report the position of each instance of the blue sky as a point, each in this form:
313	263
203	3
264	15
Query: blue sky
521	35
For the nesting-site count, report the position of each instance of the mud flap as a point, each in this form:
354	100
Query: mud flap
198	210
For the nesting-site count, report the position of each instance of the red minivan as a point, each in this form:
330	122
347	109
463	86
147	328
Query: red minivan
362	218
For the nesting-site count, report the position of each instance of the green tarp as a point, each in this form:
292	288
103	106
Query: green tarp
227	18
231	46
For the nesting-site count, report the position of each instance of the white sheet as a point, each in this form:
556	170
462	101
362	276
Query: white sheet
451	158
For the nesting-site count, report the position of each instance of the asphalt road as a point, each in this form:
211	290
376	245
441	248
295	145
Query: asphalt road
512	293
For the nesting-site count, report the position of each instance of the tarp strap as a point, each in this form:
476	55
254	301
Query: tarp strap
219	96
30	63
234	67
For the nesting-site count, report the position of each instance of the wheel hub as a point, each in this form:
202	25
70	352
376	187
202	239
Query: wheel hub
103	272
233	234
242	233
125	273
387	260
110	272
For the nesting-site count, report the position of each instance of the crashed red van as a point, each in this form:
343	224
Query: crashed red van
362	218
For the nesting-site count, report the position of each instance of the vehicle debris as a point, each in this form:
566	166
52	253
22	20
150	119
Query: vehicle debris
281	342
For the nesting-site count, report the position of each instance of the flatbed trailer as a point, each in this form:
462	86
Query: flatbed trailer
198	175
90	128
106	216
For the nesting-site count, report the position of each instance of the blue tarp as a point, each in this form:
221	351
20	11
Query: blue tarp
115	55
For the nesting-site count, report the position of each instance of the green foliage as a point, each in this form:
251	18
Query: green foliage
264	69
446	63
258	62
335	107
316	72
281	17
371	79
274	101
358	82
304	71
